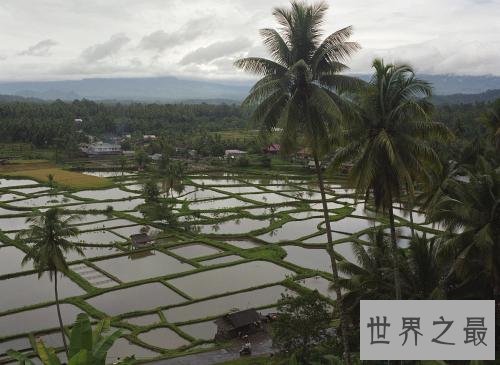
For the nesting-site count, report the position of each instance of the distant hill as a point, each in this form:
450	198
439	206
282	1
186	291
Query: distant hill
457	84
172	89
487	96
14	98
138	89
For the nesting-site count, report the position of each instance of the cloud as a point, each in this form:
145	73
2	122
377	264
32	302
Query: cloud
160	40
42	48
100	51
216	50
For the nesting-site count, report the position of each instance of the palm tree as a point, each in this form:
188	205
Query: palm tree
470	210
492	120
388	142
47	240
423	270
369	278
300	90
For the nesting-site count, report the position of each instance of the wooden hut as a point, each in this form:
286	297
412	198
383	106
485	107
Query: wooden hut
141	240
237	324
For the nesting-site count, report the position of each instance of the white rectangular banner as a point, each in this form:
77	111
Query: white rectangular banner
427	330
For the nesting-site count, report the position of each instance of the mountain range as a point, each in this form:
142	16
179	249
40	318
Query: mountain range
173	89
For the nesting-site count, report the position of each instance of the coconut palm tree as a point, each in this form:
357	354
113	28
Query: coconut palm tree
470	210
369	277
47	240
492	120
388	140
300	90
423	272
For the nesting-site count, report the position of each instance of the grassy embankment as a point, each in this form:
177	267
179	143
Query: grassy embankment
39	170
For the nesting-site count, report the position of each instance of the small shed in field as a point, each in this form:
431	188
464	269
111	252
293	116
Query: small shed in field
140	240
238	323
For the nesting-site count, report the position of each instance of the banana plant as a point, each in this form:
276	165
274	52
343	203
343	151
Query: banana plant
86	347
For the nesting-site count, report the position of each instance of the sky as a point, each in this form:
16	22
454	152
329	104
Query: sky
74	39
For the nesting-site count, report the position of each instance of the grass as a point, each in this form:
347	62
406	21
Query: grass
39	170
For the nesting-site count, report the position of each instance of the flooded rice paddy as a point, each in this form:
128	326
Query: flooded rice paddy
238	240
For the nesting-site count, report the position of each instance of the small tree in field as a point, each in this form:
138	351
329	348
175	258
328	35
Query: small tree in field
302	323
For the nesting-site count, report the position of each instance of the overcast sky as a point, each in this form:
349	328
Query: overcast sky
72	39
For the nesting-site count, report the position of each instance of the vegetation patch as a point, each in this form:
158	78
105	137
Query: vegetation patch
69	179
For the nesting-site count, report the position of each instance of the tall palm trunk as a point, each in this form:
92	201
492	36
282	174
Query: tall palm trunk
59	315
395	257
331	253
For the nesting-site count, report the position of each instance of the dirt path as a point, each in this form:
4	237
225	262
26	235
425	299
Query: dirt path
261	345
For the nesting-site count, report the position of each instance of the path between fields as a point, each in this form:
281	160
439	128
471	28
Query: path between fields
260	346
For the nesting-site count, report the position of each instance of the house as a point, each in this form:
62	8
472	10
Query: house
149	137
238	323
100	149
273	149
234	153
304	153
155	157
140	240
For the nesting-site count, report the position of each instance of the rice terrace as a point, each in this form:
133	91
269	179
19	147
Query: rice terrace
250	233
249	182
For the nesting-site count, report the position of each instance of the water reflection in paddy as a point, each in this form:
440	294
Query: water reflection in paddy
292	230
104	194
7	183
202	330
243	225
142	265
122	205
145	320
222	305
37	319
202	194
352	225
330	205
8	197
13	224
310	258
98	238
216	182
323	239
19	344
10	260
91	252
45	200
37	189
137	298
232	278
268	210
105	224
221	260
194	250
218	204
269	198
26	290
240	189
163	338
320	284
130	230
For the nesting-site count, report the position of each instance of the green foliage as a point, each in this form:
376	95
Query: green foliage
141	158
302	323
242	162
87	347
151	192
470	210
